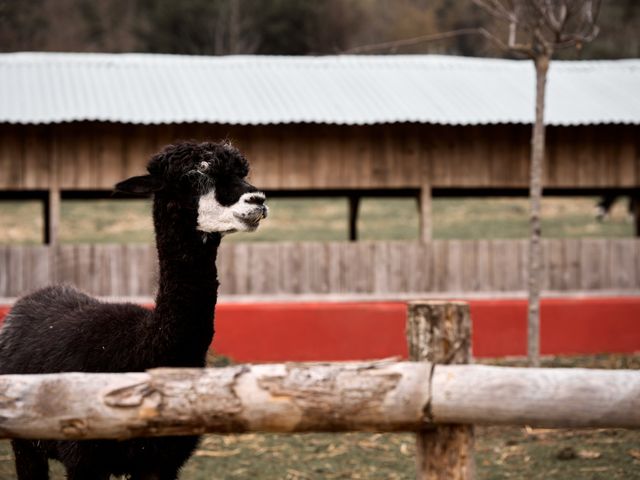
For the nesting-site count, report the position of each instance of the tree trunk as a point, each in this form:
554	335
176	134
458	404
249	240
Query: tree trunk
535	196
234	27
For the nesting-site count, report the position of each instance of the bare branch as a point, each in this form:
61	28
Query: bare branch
513	32
549	24
544	21
519	49
495	8
545	11
567	41
407	42
547	8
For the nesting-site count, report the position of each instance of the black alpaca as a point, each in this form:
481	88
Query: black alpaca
200	193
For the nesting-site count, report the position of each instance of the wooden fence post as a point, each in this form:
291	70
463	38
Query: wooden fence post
440	332
52	216
426	214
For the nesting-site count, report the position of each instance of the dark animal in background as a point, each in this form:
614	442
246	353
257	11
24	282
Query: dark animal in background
606	202
199	194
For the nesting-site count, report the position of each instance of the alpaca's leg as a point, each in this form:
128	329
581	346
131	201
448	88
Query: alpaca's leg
86	472
161	458
31	462
87	460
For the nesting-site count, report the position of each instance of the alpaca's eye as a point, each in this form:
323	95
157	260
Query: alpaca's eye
204	166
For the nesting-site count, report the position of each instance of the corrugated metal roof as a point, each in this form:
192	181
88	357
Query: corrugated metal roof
156	89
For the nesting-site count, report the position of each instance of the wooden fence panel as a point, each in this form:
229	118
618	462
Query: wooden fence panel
317	259
399	267
439	261
594	270
381	259
571	260
383	268
453	272
291	267
621	255
418	258
263	278
23	269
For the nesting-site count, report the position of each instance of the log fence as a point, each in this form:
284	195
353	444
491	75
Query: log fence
440	401
383	396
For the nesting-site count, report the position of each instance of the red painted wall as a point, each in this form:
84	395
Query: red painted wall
268	332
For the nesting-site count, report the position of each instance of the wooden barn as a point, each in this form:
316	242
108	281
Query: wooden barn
423	126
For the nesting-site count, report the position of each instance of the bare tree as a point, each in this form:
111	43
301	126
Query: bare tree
536	29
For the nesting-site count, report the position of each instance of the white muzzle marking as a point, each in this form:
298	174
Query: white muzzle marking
242	216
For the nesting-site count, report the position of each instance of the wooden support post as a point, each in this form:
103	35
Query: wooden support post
424	204
440	332
51	216
634	208
354	207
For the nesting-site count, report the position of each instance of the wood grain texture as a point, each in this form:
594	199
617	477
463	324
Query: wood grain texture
394	267
366	396
558	397
358	396
440	332
94	155
425	203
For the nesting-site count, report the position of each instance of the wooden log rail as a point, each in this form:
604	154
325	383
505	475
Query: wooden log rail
381	396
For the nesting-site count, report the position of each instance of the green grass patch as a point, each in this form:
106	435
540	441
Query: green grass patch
388	219
470	218
21	222
301	219
326	219
106	221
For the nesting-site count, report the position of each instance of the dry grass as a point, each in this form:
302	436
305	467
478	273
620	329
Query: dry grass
501	453
308	219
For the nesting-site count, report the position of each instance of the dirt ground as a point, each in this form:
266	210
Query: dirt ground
501	452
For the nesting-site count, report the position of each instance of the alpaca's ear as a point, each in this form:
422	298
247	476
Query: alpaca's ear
141	185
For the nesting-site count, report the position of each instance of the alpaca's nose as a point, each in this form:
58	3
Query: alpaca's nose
255	200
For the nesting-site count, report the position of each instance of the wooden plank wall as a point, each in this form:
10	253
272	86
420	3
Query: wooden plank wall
336	267
94	156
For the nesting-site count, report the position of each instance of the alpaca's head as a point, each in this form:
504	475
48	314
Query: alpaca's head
207	178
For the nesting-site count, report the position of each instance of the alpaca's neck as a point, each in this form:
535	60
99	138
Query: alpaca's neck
188	287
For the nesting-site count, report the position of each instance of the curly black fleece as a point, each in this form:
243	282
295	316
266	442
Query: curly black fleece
60	329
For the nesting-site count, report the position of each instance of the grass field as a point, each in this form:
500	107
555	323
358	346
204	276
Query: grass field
501	452
308	219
